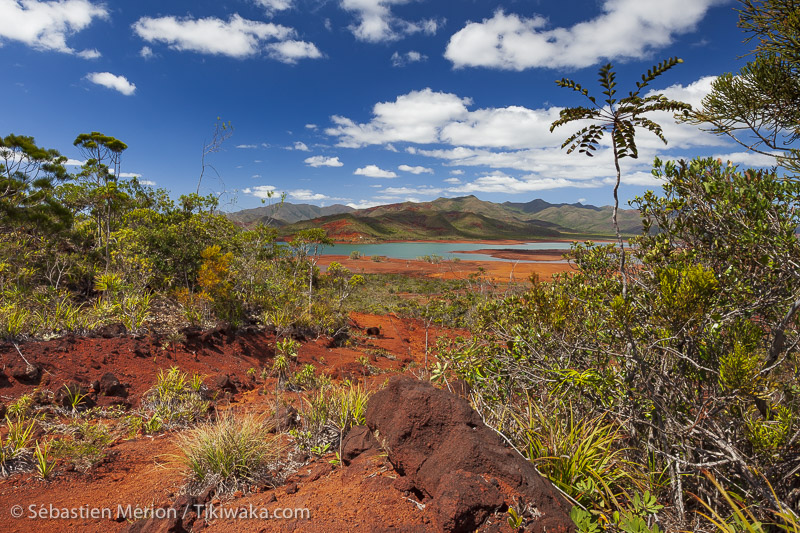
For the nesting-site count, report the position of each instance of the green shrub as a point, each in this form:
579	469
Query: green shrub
229	453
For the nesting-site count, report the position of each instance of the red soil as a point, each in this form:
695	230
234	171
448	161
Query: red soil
138	472
502	271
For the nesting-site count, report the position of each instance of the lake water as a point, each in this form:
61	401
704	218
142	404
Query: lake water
447	250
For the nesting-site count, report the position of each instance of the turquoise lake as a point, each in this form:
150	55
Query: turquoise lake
447	250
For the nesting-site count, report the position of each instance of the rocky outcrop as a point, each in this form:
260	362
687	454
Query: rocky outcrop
451	457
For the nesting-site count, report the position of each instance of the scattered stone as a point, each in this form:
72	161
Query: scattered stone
26	372
431	434
358	441
112	330
110	386
291	488
286	418
222	382
270	498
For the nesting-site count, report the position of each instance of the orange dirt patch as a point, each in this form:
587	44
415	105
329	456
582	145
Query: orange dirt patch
137	472
502	271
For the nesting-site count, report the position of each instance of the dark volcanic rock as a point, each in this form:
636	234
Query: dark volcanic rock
430	434
464	500
26	372
110	386
286	418
358	441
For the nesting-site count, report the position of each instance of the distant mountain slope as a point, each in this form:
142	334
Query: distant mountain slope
423	224
466	217
286	213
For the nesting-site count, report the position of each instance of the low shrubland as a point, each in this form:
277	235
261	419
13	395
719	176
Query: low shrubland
693	369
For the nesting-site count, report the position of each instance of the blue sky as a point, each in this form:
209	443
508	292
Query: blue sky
361	102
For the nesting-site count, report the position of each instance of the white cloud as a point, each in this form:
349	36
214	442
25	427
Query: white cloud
452	180
256	176
624	29
415	117
514	138
311	126
272	6
118	83
376	185
376	23
498	182
236	37
129	175
260	191
301	146
415	170
364	204
291	52
146	52
749	159
373	171
401	60
246	146
74	163
46	25
306	195
147	183
405	191
322	161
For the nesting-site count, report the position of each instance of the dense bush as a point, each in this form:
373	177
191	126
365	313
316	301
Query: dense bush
696	366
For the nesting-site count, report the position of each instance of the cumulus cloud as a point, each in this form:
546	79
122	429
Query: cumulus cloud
306	195
499	182
112	81
443	126
147	183
322	161
311	126
452	180
374	171
273	6
146	52
401	60
291	52
129	175
301	146
375	22
364	204
260	191
624	29
47	25
237	37
415	117
749	159
415	170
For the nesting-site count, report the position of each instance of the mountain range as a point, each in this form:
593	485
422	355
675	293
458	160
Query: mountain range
466	217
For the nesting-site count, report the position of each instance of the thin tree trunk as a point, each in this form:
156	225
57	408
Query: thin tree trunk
616	223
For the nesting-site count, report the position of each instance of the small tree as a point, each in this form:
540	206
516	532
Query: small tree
28	175
101	170
307	244
619	118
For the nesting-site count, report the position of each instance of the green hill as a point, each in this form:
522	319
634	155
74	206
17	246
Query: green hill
466	217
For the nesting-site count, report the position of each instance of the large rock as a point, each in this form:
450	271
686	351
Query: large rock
430	435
